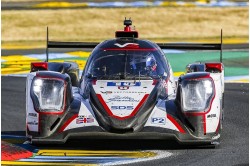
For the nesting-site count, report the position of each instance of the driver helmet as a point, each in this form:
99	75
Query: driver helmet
151	63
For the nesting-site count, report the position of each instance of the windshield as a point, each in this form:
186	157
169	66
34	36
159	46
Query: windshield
127	64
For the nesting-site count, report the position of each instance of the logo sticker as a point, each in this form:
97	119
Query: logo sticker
33	123
84	119
127	45
122	107
106	92
138	92
123	83
161	121
123	99
32	115
123	87
211	116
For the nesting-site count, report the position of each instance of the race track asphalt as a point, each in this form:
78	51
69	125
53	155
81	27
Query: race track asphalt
234	148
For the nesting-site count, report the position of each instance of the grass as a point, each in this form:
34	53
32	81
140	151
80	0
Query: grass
96	24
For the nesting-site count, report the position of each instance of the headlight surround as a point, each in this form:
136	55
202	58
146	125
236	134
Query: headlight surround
49	94
197	94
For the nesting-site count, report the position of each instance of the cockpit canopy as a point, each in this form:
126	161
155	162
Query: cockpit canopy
126	61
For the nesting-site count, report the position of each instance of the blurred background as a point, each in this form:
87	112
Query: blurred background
24	25
23	40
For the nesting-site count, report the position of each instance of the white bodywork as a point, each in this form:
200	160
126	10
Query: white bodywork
32	117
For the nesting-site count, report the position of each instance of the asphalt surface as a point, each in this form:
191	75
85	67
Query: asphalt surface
234	148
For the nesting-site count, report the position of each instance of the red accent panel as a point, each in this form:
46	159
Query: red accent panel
127	28
132	49
49	113
139	105
43	65
155	82
176	123
214	65
204	124
104	104
118	117
94	82
67	123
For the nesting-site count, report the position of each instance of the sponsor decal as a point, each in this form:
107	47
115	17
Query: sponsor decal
125	98
122	107
106	92
127	45
211	116
32	114
158	120
33	123
123	83
137	92
84	119
123	87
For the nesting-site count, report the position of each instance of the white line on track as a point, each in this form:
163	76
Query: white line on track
160	154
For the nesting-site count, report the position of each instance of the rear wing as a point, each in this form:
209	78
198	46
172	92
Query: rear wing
181	46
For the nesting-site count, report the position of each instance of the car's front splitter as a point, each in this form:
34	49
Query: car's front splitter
96	132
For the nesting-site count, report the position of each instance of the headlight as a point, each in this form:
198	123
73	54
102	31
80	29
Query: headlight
49	93
197	94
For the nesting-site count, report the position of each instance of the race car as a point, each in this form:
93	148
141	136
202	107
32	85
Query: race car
126	90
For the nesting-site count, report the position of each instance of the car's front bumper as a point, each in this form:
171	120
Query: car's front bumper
96	132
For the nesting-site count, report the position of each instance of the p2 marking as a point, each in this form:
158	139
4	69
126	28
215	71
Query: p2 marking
158	120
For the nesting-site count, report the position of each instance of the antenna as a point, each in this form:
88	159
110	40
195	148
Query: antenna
221	41
47	49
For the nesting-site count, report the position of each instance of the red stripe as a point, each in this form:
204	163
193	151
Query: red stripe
118	117
67	123
130	49
139	105
177	125
204	124
51	113
104	104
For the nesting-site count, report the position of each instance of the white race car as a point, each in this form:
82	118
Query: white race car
126	90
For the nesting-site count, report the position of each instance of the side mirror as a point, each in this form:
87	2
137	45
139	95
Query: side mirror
90	76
